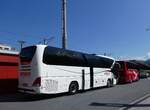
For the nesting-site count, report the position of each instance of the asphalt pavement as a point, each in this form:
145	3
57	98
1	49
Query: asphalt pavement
120	97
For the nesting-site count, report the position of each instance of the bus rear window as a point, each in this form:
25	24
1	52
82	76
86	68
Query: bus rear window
27	53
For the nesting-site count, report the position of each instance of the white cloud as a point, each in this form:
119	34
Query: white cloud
125	57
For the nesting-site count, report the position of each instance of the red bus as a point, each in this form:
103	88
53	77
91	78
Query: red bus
126	71
9	61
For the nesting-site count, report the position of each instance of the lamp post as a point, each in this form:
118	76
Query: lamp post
21	42
64	24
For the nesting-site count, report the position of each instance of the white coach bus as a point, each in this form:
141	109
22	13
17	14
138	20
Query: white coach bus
51	70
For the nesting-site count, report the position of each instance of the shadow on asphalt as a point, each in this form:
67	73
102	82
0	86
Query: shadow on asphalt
123	105
119	105
21	97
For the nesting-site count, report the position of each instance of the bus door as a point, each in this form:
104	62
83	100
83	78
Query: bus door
91	77
88	80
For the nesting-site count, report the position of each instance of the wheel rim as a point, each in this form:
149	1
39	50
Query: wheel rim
73	88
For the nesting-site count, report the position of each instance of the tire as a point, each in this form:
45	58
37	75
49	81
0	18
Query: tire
118	79
130	80
73	88
112	82
109	83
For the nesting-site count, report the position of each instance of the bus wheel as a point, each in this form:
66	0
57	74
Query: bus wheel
109	83
73	88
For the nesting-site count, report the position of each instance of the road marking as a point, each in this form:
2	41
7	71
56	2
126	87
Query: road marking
131	105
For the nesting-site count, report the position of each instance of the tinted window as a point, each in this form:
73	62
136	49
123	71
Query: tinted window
131	65
121	64
107	62
56	56
93	61
27	53
97	61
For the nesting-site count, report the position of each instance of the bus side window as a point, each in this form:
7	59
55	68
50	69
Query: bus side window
57	56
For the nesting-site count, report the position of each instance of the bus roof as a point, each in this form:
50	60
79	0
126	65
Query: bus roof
78	51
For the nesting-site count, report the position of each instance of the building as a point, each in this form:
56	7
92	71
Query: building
9	60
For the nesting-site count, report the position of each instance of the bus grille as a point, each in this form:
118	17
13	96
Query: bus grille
51	85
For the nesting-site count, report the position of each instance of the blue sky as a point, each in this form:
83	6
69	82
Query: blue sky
95	26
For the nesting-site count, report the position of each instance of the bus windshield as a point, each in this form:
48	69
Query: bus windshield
27	53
